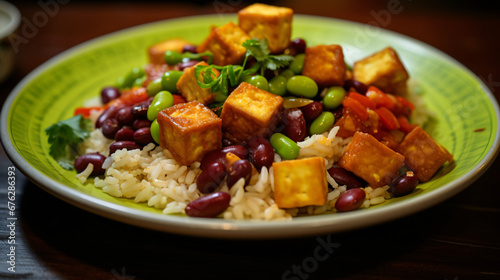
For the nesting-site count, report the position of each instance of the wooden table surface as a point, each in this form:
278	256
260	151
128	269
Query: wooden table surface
457	239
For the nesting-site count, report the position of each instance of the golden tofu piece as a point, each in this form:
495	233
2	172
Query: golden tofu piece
325	65
300	182
225	43
189	88
250	112
189	131
268	22
384	70
423	154
371	160
157	51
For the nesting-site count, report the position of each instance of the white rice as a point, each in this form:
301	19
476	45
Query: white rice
152	176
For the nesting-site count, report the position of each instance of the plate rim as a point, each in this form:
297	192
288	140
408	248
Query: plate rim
219	228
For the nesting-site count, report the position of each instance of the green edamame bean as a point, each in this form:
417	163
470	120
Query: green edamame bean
297	64
333	97
129	79
258	81
322	123
155	131
138	82
162	100
302	86
284	146
287	73
154	87
277	85
169	80
172	57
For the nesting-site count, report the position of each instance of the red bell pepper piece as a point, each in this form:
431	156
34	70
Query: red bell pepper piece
405	126
178	99
356	107
405	102
387	118
380	98
85	111
365	101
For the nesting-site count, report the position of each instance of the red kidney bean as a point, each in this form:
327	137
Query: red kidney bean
404	184
219	155
344	177
187	64
124	134
189	48
350	200
261	152
226	142
109	93
297	46
208	206
140	110
140	123
238	150
213	157
110	113
109	128
337	113
295	124
96	159
312	110
124	116
142	136
211	177
357	85
239	169
118	145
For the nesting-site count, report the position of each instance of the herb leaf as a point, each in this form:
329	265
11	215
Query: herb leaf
260	51
64	137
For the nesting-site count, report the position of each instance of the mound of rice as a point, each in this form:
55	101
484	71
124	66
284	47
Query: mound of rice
152	176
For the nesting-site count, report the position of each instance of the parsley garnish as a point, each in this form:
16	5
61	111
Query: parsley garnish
260	51
233	75
64	138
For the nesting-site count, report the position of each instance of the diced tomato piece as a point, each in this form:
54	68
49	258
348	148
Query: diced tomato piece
405	102
387	118
130	97
356	107
365	101
85	111
178	99
380	98
404	125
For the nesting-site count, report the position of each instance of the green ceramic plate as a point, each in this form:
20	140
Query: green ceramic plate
461	102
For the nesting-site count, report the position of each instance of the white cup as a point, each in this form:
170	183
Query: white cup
10	17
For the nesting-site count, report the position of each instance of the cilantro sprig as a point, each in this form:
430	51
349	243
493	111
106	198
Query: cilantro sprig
64	137
260	51
219	78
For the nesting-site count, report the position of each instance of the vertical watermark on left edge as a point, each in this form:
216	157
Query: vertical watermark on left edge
11	218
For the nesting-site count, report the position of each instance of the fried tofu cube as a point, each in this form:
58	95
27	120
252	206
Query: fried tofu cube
423	154
189	88
157	51
384	70
300	182
371	160
325	65
268	22
225	43
189	131
250	112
